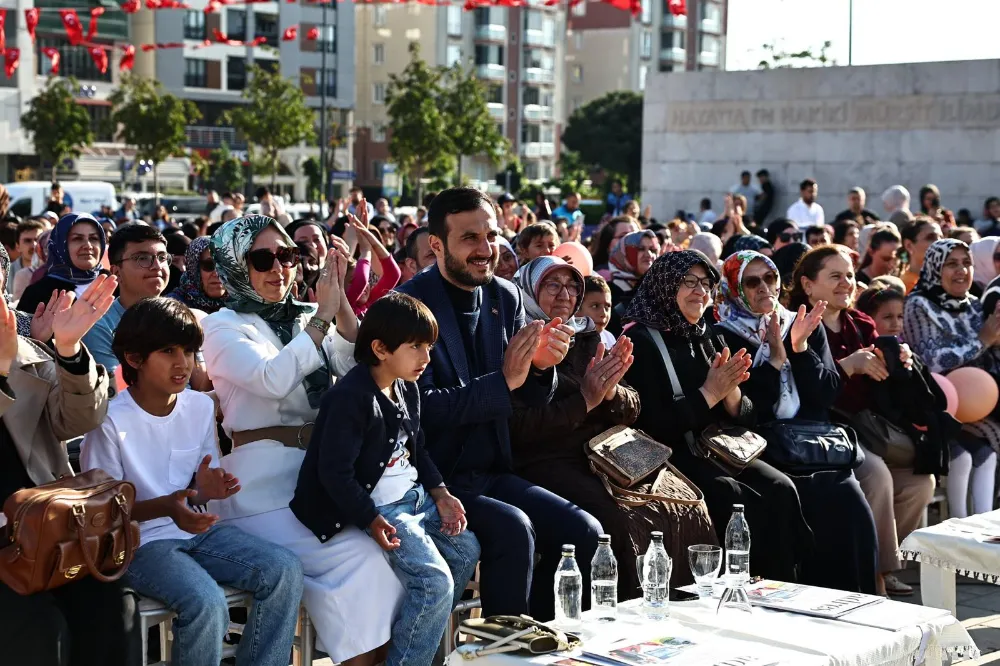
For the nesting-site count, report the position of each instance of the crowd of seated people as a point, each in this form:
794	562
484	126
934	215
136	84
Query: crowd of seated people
360	414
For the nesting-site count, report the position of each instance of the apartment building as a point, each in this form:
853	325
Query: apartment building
517	51
608	49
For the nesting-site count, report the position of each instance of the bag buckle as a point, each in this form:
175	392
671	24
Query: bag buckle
79	514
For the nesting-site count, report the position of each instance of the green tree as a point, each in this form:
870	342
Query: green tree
59	127
779	58
274	118
151	120
420	137
313	183
606	133
226	170
471	128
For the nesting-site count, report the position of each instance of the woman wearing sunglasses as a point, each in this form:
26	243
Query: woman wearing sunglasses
669	310
272	357
794	376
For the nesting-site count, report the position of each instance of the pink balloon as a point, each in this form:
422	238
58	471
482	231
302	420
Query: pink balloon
977	393
575	253
949	392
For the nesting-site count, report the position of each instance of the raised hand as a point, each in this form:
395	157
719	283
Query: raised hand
520	351
774	342
555	338
214	483
328	287
8	337
381	530
41	323
728	371
72	320
805	324
186	518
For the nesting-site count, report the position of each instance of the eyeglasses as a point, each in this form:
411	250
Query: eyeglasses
263	260
207	265
147	261
552	288
752	282
791	237
692	282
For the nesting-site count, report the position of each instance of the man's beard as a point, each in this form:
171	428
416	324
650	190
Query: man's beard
457	270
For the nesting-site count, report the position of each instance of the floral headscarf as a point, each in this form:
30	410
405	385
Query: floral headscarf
624	260
929	285
23	318
190	291
736	314
655	301
59	264
530	278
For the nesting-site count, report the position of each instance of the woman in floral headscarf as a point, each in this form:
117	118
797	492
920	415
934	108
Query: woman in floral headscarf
630	258
793	376
271	358
667	317
200	287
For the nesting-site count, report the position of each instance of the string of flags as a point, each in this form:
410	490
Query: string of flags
100	52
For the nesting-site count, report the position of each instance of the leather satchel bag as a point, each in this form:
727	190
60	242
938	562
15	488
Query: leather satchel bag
797	446
731	448
512	633
623	457
62	531
883	438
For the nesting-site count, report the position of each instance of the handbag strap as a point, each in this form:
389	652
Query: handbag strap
675	383
643	499
122	502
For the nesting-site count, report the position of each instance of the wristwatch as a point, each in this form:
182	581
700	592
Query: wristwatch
320	325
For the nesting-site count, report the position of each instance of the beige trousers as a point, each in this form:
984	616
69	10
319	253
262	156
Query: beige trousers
898	498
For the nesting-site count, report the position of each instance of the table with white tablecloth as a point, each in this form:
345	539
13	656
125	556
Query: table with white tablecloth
782	638
966	546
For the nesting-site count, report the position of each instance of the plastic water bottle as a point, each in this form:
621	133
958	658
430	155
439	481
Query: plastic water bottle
569	589
738	547
604	582
654	572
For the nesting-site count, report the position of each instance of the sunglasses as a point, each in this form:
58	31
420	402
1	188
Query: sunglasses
263	260
207	265
791	237
752	282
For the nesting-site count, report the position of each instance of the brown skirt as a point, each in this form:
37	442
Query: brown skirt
629	527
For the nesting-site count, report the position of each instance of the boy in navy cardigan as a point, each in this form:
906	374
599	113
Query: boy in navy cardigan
367	465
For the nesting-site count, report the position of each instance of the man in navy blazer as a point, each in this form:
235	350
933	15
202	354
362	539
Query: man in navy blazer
484	352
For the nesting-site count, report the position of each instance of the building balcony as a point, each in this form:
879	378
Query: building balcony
671	21
538	75
711	25
538	38
208	136
491	72
497	110
538	149
710	58
491	32
674	54
537	112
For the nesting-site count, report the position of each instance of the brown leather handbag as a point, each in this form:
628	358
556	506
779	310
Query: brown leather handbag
61	531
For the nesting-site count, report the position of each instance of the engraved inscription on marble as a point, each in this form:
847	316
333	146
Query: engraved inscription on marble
968	111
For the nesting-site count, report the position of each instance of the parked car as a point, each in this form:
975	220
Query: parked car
180	209
29	198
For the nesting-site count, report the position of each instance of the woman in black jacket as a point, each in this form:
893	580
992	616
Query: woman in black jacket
670	304
793	376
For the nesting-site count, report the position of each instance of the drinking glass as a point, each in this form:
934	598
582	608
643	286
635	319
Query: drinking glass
705	562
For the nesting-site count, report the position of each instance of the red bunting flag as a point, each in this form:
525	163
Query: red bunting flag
222	38
31	21
290	34
11	59
3	30
74	31
131	6
128	58
53	55
313	34
677	7
92	28
100	57
213	6
169	45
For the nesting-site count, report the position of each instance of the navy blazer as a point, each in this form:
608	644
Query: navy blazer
352	442
455	405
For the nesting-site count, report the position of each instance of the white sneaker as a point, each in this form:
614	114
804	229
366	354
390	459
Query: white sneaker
895	587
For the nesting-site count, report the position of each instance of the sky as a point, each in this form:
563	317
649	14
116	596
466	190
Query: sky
885	31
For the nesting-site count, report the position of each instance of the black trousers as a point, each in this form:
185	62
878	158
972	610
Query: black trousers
85	623
513	520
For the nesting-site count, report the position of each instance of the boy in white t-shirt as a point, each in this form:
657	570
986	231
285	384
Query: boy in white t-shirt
161	437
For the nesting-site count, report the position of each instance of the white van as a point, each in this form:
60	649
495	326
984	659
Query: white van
30	198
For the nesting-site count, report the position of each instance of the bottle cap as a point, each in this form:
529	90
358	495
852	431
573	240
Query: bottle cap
569	548
656	535
737	507
604	539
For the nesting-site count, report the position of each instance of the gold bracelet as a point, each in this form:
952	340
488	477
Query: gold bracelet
320	325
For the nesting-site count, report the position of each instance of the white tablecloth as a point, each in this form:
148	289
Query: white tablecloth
792	640
959	545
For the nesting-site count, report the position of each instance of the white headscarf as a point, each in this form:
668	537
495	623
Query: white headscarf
982	259
896	198
708	244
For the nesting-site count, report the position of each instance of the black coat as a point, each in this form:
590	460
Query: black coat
351	444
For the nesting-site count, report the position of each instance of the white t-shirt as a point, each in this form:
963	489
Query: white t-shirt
608	339
805	216
157	454
399	476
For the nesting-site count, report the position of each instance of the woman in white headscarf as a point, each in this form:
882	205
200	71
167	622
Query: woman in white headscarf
986	267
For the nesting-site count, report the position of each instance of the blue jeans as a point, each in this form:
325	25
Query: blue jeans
185	574
434	568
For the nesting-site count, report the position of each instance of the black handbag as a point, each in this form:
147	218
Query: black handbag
797	446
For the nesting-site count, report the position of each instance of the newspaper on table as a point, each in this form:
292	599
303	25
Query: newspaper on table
680	647
808	600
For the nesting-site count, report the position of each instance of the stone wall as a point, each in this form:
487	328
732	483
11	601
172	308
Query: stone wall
872	127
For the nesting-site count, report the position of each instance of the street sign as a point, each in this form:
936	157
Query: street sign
343	175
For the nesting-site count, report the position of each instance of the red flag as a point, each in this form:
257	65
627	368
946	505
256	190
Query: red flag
31	21
53	55
257	41
222	38
92	28
100	57
313	34
677	7
3	29
128	58
290	34
131	6
213	6
169	45
74	31
11	59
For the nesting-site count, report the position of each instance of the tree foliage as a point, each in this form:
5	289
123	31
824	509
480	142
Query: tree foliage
606	134
274	118
226	170
778	58
472	130
59	127
151	120
314	183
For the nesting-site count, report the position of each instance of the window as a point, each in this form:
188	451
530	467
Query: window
455	20
643	71
330	82
236	24
708	43
531	170
710	16
378	168
647	12
378	54
379	16
646	44
378	93
195	72
494	94
266	25
580	8
577	103
453	54
327	39
530	133
675	39
538	58
577	74
194	25
378	134
532	19
489	54
236	73
578	40
73	61
100	123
